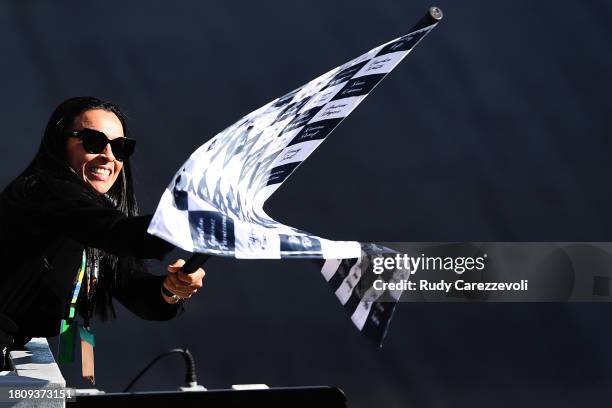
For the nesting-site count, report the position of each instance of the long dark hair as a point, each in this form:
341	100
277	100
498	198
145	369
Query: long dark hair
51	161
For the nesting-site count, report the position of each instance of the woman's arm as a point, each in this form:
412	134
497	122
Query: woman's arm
64	207
140	292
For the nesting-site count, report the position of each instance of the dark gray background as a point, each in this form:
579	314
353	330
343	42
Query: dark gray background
495	128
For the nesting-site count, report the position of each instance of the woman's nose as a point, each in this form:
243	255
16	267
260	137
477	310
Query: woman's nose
108	153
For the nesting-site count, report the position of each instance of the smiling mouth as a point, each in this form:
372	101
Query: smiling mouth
99	173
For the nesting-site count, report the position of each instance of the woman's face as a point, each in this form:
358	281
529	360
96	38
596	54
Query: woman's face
99	171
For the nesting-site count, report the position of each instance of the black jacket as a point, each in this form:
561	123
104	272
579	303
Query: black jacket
45	223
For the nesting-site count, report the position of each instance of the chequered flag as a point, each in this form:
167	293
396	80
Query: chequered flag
214	204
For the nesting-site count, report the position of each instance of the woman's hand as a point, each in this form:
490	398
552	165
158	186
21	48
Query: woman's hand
184	285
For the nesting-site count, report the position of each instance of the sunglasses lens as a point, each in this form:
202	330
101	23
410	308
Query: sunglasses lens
130	145
93	142
122	148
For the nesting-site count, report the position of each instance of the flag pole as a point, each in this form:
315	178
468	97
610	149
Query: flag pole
433	15
194	262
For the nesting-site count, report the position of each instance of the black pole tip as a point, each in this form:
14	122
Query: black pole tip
436	13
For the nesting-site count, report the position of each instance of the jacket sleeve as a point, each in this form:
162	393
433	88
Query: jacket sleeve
65	207
140	292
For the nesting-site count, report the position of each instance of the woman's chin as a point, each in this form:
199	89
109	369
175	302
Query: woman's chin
100	187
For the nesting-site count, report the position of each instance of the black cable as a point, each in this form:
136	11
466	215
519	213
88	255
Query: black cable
190	373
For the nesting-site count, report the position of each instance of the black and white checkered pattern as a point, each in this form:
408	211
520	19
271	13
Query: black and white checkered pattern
352	281
214	204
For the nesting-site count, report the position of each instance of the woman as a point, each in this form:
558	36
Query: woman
70	235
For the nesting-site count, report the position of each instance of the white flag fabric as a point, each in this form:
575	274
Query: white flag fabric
214	204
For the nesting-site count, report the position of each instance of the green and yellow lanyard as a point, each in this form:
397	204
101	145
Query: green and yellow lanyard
70	325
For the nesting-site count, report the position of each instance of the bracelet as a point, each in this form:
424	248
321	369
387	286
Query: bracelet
171	295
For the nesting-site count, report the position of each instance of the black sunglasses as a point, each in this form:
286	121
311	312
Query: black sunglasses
95	142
